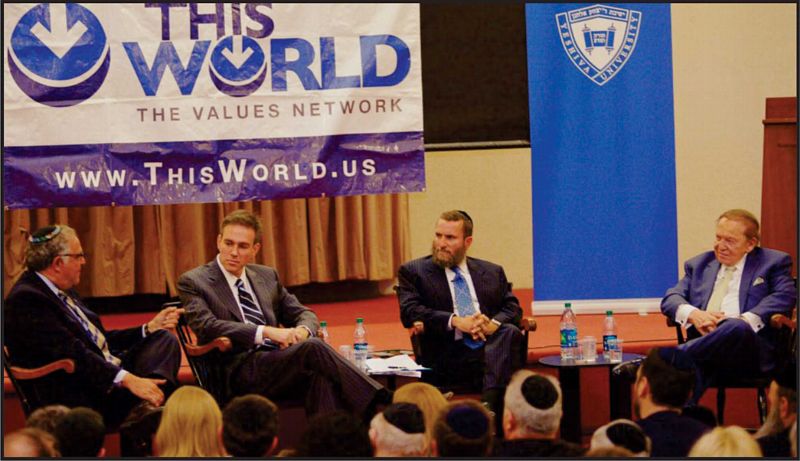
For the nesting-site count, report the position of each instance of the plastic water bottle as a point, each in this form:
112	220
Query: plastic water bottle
609	333
569	333
360	347
323	332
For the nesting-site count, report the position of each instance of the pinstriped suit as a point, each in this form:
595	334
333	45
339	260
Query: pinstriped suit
310	368
424	294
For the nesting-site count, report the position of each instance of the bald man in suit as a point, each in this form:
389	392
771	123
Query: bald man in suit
275	349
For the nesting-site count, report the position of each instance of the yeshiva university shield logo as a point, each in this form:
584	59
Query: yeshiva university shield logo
599	39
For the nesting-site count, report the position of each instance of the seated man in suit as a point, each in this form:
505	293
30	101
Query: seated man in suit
726	299
45	320
275	350
470	317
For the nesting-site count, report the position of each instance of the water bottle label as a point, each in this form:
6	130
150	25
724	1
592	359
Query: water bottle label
565	338
609	343
572	338
360	347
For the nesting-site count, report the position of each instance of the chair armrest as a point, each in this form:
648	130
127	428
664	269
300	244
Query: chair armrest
780	321
67	365
222	344
528	324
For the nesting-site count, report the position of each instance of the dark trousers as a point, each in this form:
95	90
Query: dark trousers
733	348
310	370
488	367
156	356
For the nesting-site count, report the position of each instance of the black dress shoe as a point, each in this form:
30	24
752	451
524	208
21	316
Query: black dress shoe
627	370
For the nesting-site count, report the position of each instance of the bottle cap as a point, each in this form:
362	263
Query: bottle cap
568	305
359	320
609	313
323	324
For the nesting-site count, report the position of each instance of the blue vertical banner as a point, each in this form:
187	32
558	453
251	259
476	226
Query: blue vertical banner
603	155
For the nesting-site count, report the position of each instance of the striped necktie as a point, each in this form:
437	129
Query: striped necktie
97	336
252	313
464	305
720	290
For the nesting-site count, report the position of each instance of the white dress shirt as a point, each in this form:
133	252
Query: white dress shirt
730	303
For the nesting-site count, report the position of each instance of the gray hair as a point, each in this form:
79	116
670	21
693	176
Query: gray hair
39	256
390	438
530	418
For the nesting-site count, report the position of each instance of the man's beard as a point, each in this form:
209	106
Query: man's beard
445	260
772	425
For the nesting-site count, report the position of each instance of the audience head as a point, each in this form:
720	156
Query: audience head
29	442
399	431
463	428
337	434
80	432
782	400
46	418
611	451
452	238
250	426
428	398
660	384
622	433
532	406
726	442
191	425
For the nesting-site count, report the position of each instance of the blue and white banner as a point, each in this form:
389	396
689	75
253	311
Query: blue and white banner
603	155
156	103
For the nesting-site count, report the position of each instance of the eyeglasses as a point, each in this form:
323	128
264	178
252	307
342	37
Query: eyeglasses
75	255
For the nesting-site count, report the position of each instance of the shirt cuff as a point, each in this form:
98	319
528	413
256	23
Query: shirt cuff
496	322
144	330
682	315
120	376
259	339
450	322
754	320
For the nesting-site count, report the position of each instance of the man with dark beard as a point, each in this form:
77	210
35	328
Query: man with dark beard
774	435
466	309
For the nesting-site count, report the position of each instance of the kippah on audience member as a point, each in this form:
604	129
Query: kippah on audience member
773	436
81	432
622	433
399	431
250	426
337	434
464	428
531	418
191	425
428	398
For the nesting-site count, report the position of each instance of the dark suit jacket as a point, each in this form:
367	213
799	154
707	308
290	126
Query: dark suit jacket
40	329
766	288
424	295
671	433
212	311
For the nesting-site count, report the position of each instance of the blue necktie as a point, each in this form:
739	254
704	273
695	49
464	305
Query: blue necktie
250	310
464	306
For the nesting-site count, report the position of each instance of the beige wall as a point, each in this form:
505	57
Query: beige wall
726	58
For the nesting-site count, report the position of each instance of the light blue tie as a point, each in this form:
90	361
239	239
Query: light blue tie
464	306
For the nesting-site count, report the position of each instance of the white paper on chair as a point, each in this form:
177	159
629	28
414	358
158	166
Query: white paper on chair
401	365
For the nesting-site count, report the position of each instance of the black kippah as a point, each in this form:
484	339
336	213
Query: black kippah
628	436
405	416
786	376
44	234
468	422
539	392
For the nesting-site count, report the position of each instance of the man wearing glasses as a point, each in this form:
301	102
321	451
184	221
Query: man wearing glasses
45	320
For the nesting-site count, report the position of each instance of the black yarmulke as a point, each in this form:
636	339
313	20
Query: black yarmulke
539	392
786	376
405	416
627	435
468	422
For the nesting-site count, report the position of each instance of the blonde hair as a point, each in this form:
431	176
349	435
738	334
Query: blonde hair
429	399
190	426
726	442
